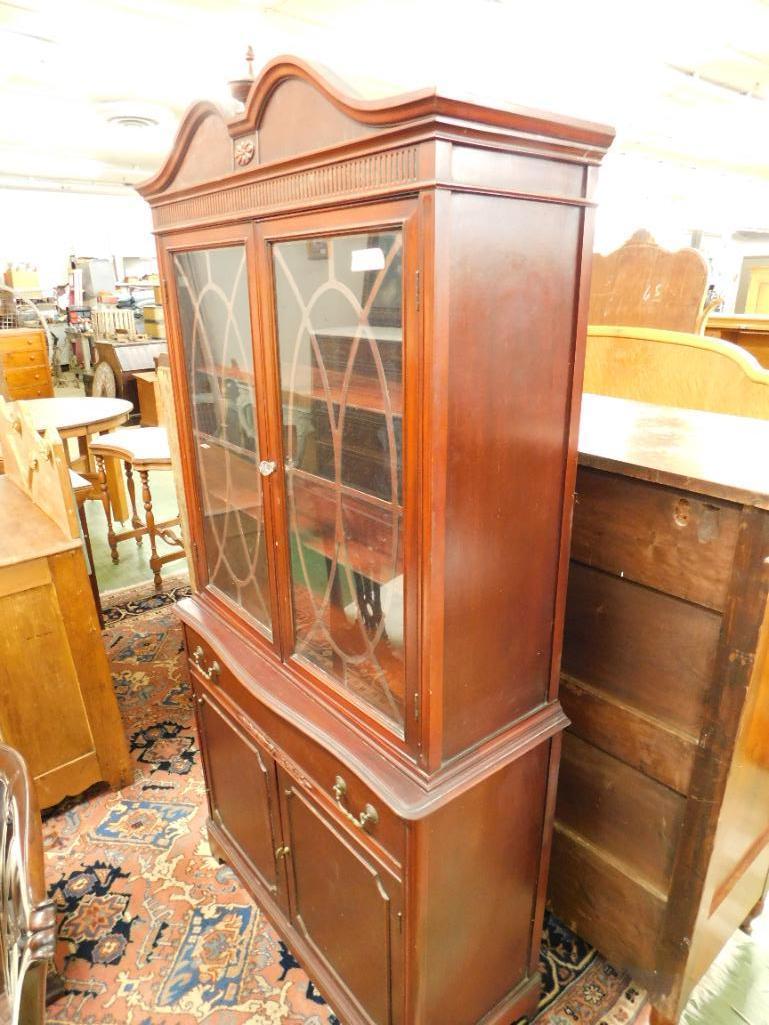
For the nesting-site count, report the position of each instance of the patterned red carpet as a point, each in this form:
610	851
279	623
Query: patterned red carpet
153	931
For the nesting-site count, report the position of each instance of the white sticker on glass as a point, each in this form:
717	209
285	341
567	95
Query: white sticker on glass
367	259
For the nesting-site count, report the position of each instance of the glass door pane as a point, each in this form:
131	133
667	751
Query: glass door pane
340	339
212	290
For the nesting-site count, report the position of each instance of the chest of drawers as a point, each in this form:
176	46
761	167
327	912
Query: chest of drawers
24	369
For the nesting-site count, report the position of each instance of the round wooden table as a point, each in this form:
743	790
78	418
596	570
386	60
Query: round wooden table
81	416
77	416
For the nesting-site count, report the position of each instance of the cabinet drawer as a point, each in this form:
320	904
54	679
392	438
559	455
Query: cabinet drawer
26	377
32	357
352	803
32	391
21	341
302	755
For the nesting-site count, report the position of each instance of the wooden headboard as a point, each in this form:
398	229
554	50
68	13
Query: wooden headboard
643	285
673	368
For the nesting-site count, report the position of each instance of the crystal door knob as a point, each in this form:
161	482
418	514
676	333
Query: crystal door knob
266	467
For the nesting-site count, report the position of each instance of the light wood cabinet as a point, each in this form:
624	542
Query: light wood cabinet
374	316
25	371
57	704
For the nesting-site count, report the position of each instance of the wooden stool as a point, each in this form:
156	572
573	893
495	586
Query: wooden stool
142	449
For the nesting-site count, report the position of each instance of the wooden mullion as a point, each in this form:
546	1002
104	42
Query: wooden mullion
275	492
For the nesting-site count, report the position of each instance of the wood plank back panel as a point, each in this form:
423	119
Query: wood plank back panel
652	651
611	909
640	740
659	536
615	807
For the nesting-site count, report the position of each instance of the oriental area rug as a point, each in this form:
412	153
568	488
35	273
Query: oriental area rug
152	930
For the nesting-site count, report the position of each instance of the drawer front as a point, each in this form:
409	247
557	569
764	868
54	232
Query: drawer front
21	341
348	800
34	391
24	359
345	903
26	377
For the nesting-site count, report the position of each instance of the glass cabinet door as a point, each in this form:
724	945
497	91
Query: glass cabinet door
212	290
339	302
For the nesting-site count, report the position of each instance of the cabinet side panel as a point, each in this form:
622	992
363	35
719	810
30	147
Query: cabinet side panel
737	871
33	628
477	891
510	352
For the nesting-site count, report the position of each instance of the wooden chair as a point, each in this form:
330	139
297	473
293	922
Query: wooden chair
142	449
27	917
643	285
166	409
673	368
82	490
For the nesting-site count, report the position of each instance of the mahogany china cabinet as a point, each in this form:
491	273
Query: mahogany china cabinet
376	313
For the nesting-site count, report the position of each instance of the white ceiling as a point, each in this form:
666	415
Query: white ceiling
682	80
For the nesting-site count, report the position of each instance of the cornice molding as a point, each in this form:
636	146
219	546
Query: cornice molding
580	139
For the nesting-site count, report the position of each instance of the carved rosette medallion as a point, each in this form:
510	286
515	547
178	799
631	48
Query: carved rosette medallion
244	152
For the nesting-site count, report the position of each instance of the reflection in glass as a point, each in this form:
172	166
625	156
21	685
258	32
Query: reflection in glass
216	328
340	336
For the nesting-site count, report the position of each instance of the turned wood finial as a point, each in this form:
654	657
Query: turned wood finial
240	87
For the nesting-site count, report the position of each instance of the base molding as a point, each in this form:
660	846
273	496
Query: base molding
521	1003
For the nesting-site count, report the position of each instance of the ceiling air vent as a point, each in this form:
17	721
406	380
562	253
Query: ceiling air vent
133	121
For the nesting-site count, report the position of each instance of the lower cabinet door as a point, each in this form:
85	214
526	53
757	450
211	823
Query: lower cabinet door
242	794
345	904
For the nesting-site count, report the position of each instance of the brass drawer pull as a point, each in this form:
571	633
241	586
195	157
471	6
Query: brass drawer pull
282	852
369	815
212	673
